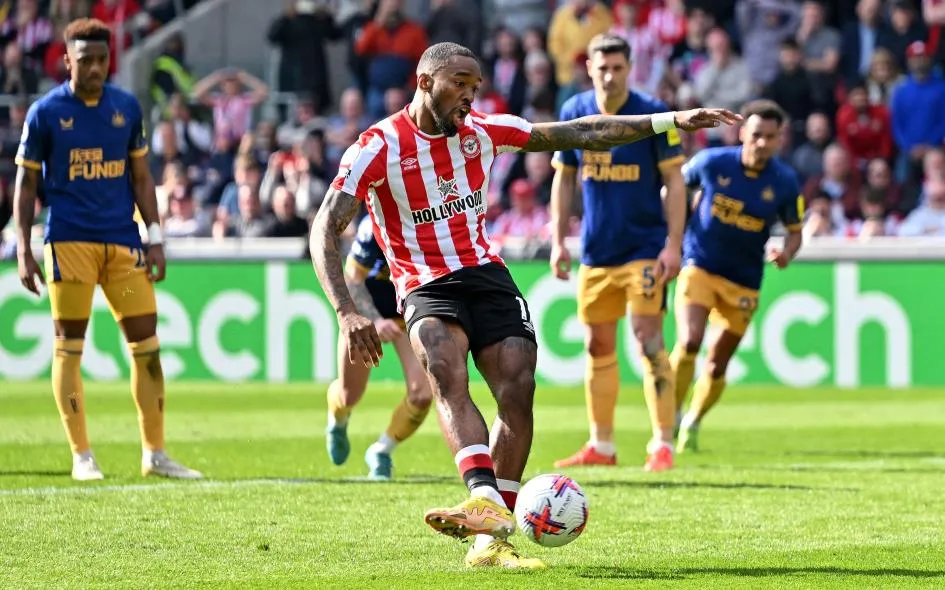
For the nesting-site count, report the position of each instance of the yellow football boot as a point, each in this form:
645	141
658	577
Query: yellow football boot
500	553
473	516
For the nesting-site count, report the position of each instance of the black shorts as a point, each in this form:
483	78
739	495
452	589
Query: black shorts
483	300
384	296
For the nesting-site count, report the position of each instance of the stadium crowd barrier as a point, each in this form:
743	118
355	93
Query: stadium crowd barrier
846	314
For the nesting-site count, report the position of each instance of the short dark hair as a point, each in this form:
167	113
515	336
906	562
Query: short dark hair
608	43
858	84
87	29
436	57
766	109
790	43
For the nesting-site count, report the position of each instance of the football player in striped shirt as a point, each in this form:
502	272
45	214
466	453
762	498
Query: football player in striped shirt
424	174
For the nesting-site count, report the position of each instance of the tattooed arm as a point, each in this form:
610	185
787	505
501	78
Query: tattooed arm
602	132
355	275
336	212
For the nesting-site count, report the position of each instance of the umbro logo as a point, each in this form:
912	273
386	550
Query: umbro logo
409	164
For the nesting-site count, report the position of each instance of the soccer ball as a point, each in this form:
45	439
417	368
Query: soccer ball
551	510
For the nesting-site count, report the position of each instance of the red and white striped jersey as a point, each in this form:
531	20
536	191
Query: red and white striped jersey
426	194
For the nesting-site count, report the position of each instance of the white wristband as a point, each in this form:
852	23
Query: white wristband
663	122
155	235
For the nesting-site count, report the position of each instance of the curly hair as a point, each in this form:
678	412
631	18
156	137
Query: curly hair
87	29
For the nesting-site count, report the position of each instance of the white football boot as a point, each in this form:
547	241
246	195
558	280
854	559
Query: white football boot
158	463
84	467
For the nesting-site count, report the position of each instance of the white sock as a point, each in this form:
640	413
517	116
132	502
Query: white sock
655	444
488	492
384	444
690	420
604	447
84	455
332	422
148	456
482	541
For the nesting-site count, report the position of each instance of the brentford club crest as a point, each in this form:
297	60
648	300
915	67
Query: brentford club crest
471	146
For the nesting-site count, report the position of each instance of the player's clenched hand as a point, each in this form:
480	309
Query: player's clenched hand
388	330
560	261
705	118
31	275
157	265
778	258
361	339
667	265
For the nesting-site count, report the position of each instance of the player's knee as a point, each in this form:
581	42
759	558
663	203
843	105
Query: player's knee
716	368
598	345
651	343
447	375
418	392
691	341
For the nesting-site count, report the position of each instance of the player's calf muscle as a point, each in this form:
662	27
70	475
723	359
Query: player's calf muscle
440	356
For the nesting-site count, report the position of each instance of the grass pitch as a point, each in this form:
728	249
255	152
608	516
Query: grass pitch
795	489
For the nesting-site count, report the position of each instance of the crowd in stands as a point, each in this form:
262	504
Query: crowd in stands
861	80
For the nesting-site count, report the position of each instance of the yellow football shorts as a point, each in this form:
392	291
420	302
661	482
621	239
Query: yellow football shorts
732	306
605	292
74	268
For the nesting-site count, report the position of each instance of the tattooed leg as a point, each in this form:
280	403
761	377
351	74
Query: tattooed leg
509	369
442	349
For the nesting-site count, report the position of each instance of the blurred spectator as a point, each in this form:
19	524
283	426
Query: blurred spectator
864	129
193	137
393	44
28	29
343	129
298	125
246	172
928	219
791	88
508	72
526	219
352	28
541	90
120	15
186	220
874	220
54	66
301	33
763	26
457	21
668	22
933	168
880	184
572	28
906	28
533	40
580	82
884	77
488	100
860	38
285	223
171	75
808	158
648	53
249	221
917	108
840	181
821	47
933	14
233	105
726	81
824	217
535	167
172	178
690	55
395	99
16	77
168	149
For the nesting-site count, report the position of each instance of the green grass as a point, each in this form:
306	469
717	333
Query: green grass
794	489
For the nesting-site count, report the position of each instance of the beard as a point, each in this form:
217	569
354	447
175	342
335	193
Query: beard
443	122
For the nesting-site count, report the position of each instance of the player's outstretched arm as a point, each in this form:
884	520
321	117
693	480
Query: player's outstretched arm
24	209
142	185
336	212
602	132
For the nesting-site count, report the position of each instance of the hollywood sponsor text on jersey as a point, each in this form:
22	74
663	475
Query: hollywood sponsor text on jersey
426	194
453	203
